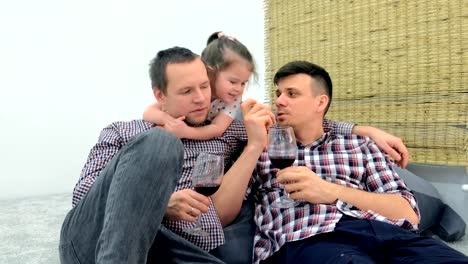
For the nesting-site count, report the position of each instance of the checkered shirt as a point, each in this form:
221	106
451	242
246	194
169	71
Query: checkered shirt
115	136
349	160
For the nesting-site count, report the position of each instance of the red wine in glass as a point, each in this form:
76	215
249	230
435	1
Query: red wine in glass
282	162
207	175
206	190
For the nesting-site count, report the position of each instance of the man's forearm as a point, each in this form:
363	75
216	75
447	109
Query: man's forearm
362	130
228	199
389	205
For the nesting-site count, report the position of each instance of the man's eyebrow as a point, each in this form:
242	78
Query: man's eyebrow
289	89
207	82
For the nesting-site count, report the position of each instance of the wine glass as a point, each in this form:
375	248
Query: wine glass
207	175
282	151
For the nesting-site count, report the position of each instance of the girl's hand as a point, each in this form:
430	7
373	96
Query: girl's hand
257	120
177	127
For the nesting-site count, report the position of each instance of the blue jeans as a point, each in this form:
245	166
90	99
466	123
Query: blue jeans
119	219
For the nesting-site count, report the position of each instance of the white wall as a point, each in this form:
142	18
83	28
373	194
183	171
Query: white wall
69	68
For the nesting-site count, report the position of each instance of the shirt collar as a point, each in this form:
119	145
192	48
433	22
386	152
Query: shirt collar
322	139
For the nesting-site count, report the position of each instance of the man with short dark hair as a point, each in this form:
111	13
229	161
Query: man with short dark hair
353	207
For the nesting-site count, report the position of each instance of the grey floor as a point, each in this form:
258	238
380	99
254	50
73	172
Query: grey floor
29	227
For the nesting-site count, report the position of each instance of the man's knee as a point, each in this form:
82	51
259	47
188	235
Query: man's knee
160	153
158	140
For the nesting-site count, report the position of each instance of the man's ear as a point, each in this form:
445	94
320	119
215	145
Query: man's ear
322	102
159	95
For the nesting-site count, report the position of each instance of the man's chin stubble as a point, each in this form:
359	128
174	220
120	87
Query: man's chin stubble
195	124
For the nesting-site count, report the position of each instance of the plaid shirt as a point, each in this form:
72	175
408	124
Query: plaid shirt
349	160
230	144
115	136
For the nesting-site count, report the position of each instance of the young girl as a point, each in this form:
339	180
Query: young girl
230	65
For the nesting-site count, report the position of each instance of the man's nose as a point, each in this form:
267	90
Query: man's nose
279	100
199	96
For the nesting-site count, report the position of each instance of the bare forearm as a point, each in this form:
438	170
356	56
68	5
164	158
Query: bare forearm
362	130
387	204
228	199
216	129
155	115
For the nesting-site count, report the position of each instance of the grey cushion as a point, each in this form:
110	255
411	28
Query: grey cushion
451	226
429	200
436	217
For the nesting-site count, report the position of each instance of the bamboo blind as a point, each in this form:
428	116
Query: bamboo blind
397	65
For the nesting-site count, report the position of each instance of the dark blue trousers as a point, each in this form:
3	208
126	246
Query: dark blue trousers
367	241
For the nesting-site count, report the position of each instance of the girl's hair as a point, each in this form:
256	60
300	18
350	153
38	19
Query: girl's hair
221	51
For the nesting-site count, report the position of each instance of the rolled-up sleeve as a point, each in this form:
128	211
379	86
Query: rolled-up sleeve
382	178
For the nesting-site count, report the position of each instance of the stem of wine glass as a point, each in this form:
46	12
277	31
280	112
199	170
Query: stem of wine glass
284	191
198	223
197	229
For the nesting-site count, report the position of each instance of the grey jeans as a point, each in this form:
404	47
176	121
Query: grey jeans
119	219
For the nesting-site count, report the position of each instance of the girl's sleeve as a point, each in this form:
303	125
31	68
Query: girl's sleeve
231	109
